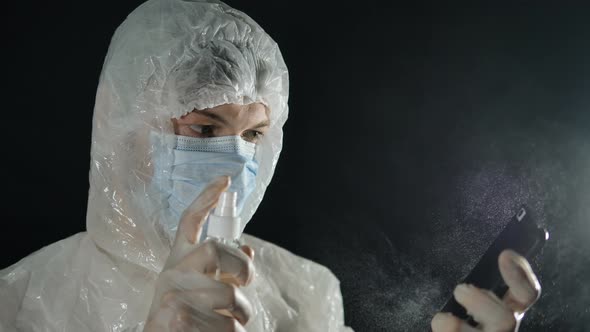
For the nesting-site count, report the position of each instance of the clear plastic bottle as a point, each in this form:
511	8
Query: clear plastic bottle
224	227
224	222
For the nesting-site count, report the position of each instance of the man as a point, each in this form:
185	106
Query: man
191	103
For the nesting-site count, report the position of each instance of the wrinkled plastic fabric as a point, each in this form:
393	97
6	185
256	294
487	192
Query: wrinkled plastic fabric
166	59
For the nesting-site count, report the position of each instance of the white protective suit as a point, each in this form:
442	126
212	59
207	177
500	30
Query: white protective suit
166	59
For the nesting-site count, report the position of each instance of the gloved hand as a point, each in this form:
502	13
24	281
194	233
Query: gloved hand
187	296
487	309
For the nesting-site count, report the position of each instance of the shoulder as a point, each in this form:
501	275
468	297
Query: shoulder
25	285
300	294
67	279
275	256
61	250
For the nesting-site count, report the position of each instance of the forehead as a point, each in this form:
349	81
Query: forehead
252	108
252	112
234	114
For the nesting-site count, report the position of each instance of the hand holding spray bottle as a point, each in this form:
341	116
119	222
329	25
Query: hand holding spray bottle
224	227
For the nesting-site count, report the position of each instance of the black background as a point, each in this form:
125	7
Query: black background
414	135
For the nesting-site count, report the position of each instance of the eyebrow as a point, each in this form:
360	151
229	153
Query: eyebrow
265	123
213	116
224	121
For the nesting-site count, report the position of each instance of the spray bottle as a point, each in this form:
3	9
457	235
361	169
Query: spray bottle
224	227
224	222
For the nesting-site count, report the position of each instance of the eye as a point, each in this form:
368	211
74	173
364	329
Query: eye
252	136
204	130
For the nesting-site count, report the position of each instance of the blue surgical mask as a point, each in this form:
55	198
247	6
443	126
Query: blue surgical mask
191	163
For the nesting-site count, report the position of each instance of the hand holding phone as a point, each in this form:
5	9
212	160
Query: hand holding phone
523	236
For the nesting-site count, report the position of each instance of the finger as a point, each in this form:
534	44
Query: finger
523	287
190	309
223	297
193	218
485	307
172	315
446	322
248	251
213	258
195	215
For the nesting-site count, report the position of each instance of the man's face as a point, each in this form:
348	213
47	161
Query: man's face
247	121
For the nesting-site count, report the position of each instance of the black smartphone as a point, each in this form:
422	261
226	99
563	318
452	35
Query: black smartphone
523	235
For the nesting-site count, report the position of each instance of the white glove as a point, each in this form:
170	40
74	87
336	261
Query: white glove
492	313
188	297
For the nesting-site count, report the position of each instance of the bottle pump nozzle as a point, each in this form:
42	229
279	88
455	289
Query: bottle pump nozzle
224	222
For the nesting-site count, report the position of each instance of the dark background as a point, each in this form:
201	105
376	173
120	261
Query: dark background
414	135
